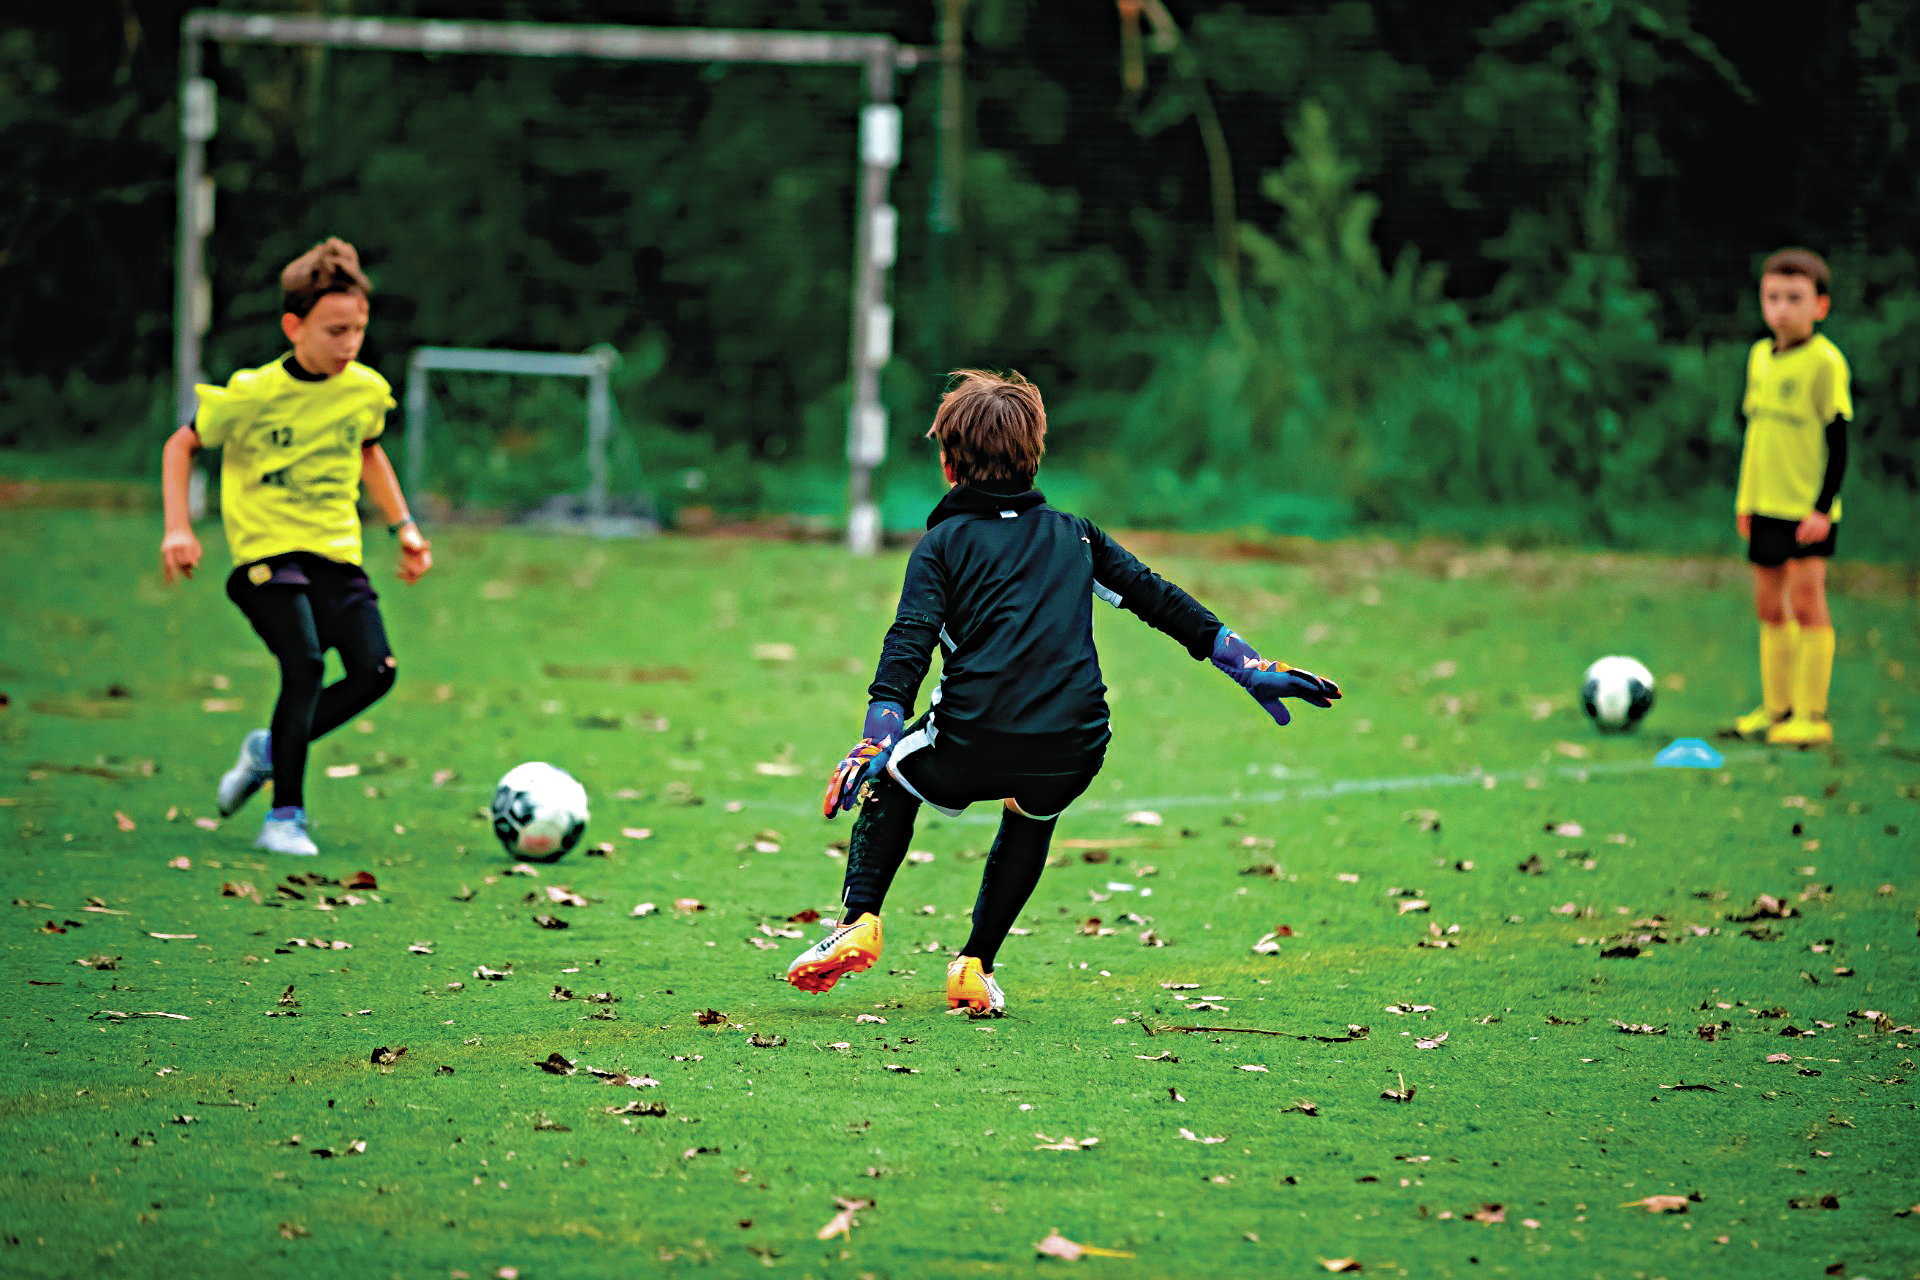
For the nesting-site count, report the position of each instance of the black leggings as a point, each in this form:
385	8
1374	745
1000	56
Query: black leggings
300	622
884	829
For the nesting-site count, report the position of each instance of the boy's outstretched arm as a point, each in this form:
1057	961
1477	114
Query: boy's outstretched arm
905	657
1122	581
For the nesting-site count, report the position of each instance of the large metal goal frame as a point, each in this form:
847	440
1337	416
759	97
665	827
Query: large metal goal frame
876	222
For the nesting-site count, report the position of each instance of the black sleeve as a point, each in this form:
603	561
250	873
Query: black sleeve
1125	583
1836	465
907	651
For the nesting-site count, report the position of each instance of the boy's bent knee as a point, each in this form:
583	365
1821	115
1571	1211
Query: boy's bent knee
303	669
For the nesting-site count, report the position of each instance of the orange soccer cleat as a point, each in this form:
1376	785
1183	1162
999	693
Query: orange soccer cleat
971	987
848	949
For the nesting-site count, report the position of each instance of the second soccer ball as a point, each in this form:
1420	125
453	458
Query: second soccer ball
1617	693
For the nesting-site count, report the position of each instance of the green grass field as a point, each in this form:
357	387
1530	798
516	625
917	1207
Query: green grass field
228	1140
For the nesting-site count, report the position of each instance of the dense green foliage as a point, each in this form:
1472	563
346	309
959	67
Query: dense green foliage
152	1146
1494	260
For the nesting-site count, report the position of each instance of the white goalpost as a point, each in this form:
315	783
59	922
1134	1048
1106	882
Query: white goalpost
876	222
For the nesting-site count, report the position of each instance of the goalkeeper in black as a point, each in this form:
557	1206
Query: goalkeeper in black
1004	584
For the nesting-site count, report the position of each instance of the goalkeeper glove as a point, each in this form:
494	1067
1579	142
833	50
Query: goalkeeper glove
885	721
1269	681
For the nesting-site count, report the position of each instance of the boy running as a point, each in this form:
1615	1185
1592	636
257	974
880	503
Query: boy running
1798	404
300	437
1004	584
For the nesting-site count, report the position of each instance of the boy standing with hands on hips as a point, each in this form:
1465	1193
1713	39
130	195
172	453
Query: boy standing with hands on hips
1798	404
300	437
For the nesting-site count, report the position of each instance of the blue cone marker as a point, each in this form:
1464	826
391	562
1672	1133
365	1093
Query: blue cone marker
1689	753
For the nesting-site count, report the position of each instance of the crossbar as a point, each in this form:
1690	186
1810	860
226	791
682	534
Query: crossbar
550	40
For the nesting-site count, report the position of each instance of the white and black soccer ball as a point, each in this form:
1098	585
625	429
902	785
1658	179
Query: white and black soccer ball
539	812
1617	693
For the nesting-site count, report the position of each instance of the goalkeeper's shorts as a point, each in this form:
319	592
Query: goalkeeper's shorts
949	777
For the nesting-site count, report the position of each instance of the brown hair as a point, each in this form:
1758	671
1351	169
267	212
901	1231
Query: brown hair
992	427
1799	262
332	266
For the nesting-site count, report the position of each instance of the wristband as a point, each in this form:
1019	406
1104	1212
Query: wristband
393	530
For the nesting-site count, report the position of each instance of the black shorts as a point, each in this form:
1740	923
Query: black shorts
332	587
1771	542
950	778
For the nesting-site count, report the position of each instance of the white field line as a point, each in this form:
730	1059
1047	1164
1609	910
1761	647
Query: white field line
1410	782
983	814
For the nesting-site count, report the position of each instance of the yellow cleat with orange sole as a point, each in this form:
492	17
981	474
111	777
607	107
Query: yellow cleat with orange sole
971	987
848	949
1797	732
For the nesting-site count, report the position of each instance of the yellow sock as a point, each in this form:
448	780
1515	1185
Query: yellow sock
1815	673
1780	665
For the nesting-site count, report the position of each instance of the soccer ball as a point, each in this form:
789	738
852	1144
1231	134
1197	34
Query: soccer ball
1617	693
539	812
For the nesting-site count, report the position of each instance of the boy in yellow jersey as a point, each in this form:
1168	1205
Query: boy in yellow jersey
1798	404
300	438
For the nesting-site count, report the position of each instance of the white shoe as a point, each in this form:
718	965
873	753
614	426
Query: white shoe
249	773
287	835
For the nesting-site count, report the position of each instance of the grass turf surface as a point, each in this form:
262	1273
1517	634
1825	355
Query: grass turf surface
146	1145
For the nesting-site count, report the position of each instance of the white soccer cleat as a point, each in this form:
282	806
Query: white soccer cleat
249	773
287	835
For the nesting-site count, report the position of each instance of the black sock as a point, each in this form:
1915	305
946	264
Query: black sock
1014	864
877	846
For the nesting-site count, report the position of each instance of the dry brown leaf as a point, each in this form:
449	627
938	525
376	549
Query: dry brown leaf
1659	1204
1341	1264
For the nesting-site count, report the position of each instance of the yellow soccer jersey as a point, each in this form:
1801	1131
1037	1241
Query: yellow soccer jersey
290	477
1791	397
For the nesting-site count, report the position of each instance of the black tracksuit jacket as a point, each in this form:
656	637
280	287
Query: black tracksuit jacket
1005	584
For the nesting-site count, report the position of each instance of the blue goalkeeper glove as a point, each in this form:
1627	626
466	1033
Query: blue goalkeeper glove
882	730
1269	681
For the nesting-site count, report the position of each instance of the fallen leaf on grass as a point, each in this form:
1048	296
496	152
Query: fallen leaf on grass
552	922
637	1108
710	1017
1191	1136
1827	1201
1569	829
1065	1143
1487	1213
1434	1043
1304	1107
170	937
1409	1008
1058	1246
689	905
1341	1264
99	962
843	1222
1572	750
759	1041
1144	818
554	1064
869	1017
293	1231
115	1015
1159	1057
1403	1094
182	863
1638	1028
1413	904
493	975
643	909
563	896
1684	1087
385	1057
901	1069
1659	1204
